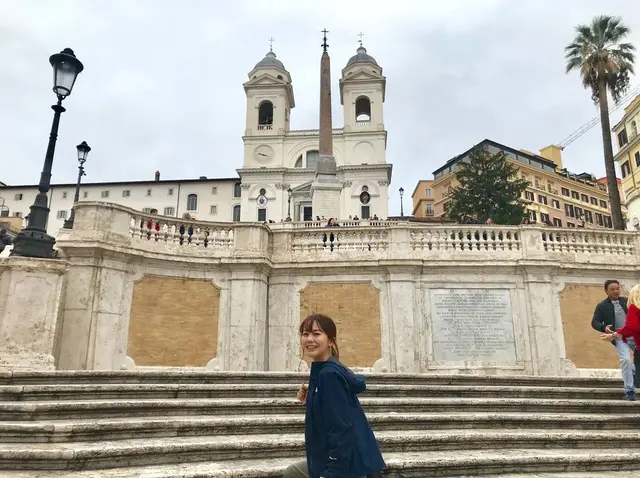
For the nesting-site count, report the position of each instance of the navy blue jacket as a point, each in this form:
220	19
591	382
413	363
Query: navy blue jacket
338	439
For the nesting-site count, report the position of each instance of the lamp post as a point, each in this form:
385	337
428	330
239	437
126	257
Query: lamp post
290	193
401	190
33	241
83	151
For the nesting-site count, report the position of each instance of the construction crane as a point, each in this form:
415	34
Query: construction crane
587	126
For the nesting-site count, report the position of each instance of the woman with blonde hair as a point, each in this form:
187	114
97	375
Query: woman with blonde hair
339	442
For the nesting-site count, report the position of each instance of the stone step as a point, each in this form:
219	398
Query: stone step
49	410
176	426
547	463
200	376
167	391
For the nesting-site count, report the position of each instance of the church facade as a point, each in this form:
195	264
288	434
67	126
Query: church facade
280	164
278	167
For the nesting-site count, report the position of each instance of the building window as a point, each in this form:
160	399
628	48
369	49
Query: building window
265	113
62	214
236	213
18	197
192	202
588	216
64	195
170	192
555	203
594	201
427	192
603	204
312	159
565	192
542	199
146	210
622	138
363	110
584	198
17	214
445	206
85	194
262	215
575	194
578	211
213	210
626	169
607	222
126	193
214	190
104	194
557	222
429	210
529	196
4	212
637	156
544	218
568	210
570	224
169	211
533	217
148	192
599	220
237	190
365	212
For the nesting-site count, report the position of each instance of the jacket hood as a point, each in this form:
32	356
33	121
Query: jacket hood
357	383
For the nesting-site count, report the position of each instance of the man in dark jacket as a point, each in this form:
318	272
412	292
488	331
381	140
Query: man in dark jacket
610	314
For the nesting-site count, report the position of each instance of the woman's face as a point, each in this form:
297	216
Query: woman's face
316	344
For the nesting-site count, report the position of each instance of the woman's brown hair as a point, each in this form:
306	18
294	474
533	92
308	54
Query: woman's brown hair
327	325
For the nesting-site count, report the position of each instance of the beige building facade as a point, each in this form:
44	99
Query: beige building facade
627	156
554	197
423	199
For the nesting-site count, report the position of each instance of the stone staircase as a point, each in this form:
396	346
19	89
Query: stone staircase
195	424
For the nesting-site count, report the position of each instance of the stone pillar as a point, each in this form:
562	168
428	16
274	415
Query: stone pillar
403	339
284	321
543	333
97	305
245	335
30	296
95	317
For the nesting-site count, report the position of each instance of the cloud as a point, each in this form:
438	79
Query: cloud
162	86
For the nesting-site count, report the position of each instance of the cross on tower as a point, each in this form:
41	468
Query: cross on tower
360	35
325	45
271	40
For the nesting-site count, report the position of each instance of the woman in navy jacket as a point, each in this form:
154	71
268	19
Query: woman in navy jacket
338	439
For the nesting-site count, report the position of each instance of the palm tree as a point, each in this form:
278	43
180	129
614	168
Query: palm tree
605	63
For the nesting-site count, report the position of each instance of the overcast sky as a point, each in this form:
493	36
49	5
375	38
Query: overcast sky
162	86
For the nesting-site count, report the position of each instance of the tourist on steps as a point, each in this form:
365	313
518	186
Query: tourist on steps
611	314
338	439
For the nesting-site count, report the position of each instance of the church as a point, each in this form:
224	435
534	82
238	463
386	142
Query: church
286	175
282	174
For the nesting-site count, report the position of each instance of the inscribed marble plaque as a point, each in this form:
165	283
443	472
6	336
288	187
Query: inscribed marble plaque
472	325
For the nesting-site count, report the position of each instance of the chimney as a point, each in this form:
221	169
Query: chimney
157	175
553	153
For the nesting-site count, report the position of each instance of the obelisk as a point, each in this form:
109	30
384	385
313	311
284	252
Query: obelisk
326	189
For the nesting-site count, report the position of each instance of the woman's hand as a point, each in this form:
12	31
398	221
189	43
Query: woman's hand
302	393
608	337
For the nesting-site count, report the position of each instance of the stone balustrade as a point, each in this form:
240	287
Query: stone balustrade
311	241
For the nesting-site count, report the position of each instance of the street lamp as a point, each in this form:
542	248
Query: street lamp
83	151
290	193
401	190
33	241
